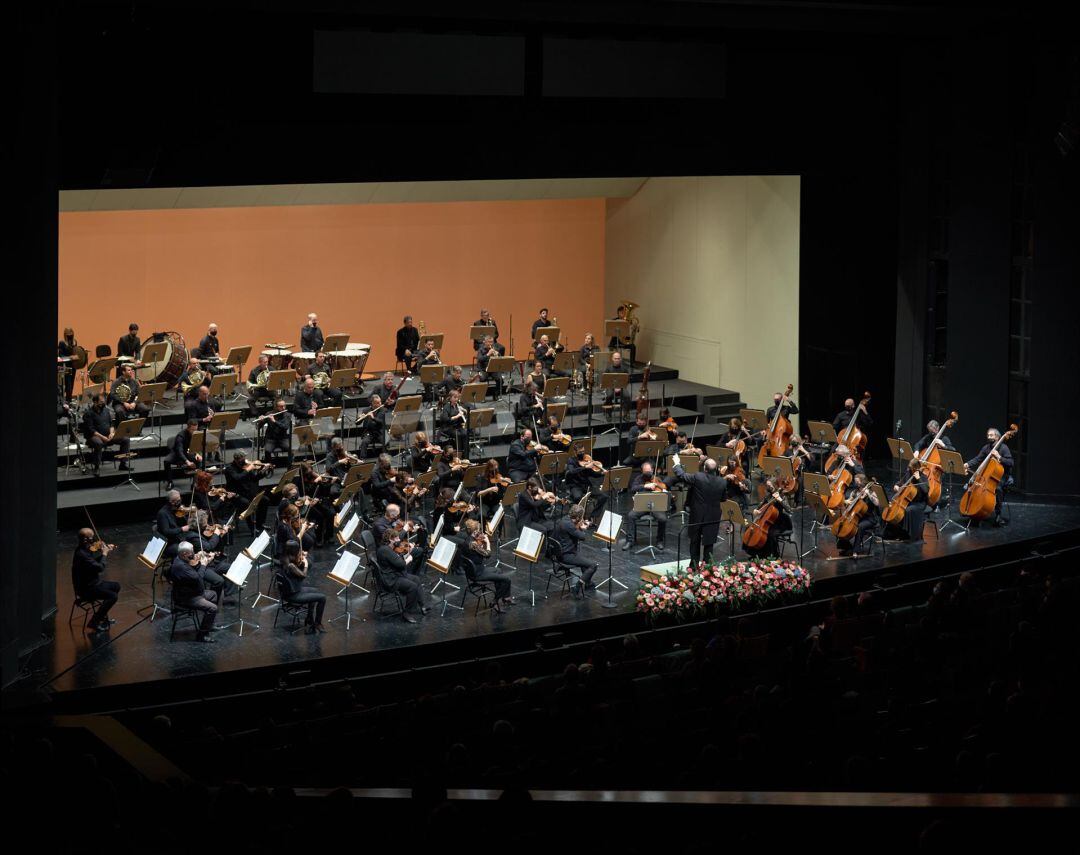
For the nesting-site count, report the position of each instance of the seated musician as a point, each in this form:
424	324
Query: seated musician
382	477
388	390
640	430
373	425
304	405
645	481
867	524
87	568
453	422
537	377
422	453
542	321
932	428
844	456
320	489
546	353
569	533
735	432
582	478
522	457
911	527
682	446
257	391
193	377
189	587
180	460
123	394
444	510
290	525
616	343
618	399
782	525
486	321
209	540
99	431
171	522
216	506
1004	456
294	572
401	569
277	436
311	335
531	406
201	408
452	382
495	484
533	507
337	470
408	340
242	478
843	418
427	355
392	520
475	548
320	372
738	487
553	436
488	349
588	347
450	468
404	491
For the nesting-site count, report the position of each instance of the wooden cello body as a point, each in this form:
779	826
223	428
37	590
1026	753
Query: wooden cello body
846	526
778	436
756	533
838	484
980	493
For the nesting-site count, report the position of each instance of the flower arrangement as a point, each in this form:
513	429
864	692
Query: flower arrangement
729	585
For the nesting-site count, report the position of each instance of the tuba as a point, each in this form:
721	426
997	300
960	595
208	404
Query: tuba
422	329
195	378
635	322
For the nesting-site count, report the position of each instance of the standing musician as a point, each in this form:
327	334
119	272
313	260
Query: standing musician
843	418
618	397
210	346
257	379
584	475
277	436
192	378
615	343
546	353
705	491
66	348
453	422
783	521
645	481
172	522
488	349
533	505
87	568
1005	458
372	425
311	335
304	405
452	382
401	568
388	390
569	532
477	548
201	407
542	321
867	524
320	372
408	339
911	527
180	460
486	321
186	574
537	376
932	428
123	402
129	345
522	457
98	431
242	478
787	411
294	572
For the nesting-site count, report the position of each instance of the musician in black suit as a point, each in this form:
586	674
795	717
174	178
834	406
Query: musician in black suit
193	377
66	347
645	481
932	428
705	491
294	572
277	433
373	427
546	352
255	391
189	588
542	321
532	507
123	402
243	478
408	340
129	345
789	409
488	349
618	399
210	345
170	527
180	460
402	572
452	382
311	335
1004	456
781	526
200	408
867	524
581	479
843	418
569	534
98	431
453	422
531	407
521	460
87	567
304	405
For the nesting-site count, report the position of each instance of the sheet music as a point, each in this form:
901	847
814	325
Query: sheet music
349	529
239	569
609	525
345	568
529	542
435	535
152	553
258	545
457	493
496	518
344	512
443	553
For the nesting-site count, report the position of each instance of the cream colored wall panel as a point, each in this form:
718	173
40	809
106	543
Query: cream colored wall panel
700	357
77	200
278	194
141	199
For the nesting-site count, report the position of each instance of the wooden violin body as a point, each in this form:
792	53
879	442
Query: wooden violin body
778	437
980	494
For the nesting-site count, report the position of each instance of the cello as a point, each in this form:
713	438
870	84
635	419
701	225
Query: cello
851	436
756	533
778	436
980	492
894	514
846	525
838	483
931	458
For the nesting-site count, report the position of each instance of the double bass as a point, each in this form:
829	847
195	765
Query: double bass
851	436
778	436
980	492
931	458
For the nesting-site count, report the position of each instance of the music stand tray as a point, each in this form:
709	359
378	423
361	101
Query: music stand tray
404	422
644	448
815	483
565	362
720	453
237	356
432	374
481	418
305	435
500	364
754	420
280	381
556	387
474	393
510	497
900	449
223	421
222	385
616	479
151	393
617	329
778	467
553	463
408	404
479	333
347	493
358	472
614	380
551	332
690	463
821	433
342	378
335	341
287	477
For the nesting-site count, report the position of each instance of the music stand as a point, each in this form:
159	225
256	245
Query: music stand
344	512
500	365
608	532
325	422
901	452
529	543
335	341
778	468
474	393
478	420
556	387
817	503
99	370
279	381
347	493
617	329
479	333
150	558
821	432
649	502
343	573
238	357
732	514
441	558
565	363
222	422
127	429
237	573
690	463
255	551
223	385
754	421
358	472
952	463
408	404
645	449
432	374
584	443
552	332
553	464
287	477
342	378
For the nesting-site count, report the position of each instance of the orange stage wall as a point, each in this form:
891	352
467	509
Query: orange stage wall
257	272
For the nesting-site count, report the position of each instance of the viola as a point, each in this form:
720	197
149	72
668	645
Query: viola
590	462
461	507
980	492
499	480
778	436
655	485
756	534
851	436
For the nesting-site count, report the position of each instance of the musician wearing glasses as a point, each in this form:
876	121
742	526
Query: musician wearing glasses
257	380
122	396
486	321
98	431
453	421
311	336
277	438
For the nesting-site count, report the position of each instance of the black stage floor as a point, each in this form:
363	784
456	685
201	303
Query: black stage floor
137	650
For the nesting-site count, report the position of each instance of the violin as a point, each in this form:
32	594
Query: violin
458	465
756	533
499	481
535	446
461	507
403	547
669	424
256	464
654	485
99	545
851	436
552	498
182	512
778	436
220	493
980	492
564	439
590	462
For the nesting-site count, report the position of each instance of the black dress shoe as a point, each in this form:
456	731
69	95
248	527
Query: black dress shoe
207	639
409	619
425	609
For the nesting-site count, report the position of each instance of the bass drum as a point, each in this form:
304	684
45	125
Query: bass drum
172	364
